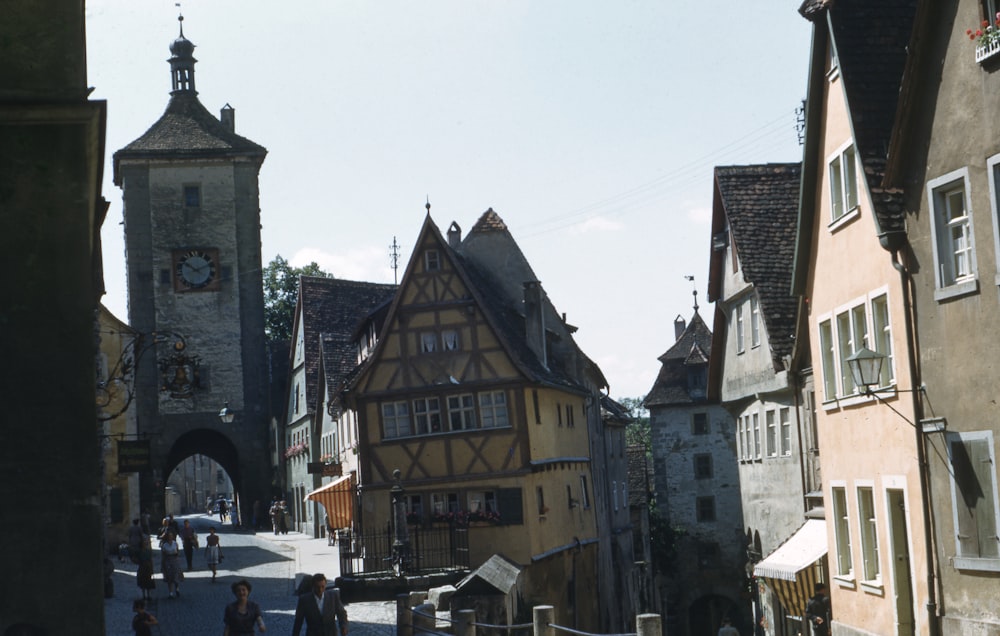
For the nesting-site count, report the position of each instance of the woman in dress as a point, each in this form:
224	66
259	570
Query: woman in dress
242	614
213	551
169	556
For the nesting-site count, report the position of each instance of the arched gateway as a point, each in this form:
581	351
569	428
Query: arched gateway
192	236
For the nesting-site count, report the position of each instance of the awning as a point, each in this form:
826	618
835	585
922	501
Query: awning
793	569
338	499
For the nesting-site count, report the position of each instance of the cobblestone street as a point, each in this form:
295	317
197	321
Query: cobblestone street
273	565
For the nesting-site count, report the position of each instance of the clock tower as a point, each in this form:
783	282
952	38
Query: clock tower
193	256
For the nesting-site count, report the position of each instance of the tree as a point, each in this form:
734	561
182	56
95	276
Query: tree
637	432
281	292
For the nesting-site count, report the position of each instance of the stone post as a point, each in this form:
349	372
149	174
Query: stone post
648	625
465	623
404	619
543	616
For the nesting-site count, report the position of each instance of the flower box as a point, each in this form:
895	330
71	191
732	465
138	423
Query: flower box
986	51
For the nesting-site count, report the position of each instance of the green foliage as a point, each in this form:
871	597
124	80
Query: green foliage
281	292
637	432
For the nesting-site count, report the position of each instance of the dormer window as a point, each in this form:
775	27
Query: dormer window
432	261
843	184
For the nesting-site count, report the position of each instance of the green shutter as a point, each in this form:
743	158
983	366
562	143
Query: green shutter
976	514
510	506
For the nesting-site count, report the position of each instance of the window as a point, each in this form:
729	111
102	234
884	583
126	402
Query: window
493	409
785	421
843	184
483	502
432	261
703	466
705	509
428	343
841	527
534	401
951	226
708	555
740	344
624	494
584	492
699	424
756	435
827	353
449	340
865	323
869	533
559	413
461	412
426	415
192	196
614	494
974	496
569	416
882	337
754	322
395	419
414	506
771	424
540	496
443	503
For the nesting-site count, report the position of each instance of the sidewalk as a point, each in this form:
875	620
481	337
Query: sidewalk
369	618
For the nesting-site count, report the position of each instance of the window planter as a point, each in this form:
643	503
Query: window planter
986	51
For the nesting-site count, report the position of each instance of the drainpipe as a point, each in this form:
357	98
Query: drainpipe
906	280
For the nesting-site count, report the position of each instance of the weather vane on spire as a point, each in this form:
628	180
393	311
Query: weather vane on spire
180	17
694	292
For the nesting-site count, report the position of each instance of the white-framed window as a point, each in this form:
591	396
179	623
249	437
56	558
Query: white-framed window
785	424
863	323
869	533
954	240
483	501
993	172
771	425
449	340
493	409
843	184
432	260
754	322
461	412
428	342
426	415
842	531
396	419
755	418
975	509
741	436
738	321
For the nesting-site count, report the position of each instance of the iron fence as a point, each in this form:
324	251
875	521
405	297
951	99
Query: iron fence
429	549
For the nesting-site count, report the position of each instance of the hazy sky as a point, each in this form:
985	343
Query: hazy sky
590	127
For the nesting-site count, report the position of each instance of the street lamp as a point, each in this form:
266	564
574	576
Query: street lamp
866	367
227	415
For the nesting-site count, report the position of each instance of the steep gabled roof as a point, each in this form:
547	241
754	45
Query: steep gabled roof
187	130
332	308
760	206
694	346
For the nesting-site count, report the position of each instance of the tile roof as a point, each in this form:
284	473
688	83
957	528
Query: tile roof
761	206
187	129
640	476
332	309
671	385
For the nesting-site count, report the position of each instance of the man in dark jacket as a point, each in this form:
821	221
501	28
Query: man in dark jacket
321	610
818	610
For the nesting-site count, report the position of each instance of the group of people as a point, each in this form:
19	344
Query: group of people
817	614
281	519
320	610
173	540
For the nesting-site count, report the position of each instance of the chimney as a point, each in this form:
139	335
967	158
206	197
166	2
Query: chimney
228	118
534	320
679	326
454	235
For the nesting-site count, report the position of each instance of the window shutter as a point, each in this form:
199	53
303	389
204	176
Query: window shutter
973	468
509	505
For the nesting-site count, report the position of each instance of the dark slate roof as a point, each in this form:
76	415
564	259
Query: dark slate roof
761	206
187	129
640	476
332	307
671	386
614	412
871	39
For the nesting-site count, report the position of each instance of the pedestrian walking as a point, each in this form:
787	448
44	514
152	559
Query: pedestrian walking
213	551
321	610
242	615
189	540
818	610
169	556
727	628
285	520
223	510
143	621
274	513
144	577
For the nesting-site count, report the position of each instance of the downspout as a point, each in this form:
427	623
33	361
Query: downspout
906	280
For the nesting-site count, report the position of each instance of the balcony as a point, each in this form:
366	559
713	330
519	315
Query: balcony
987	50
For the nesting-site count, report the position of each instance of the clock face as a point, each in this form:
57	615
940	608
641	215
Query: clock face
194	269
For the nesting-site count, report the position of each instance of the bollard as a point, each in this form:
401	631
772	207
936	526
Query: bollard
648	625
465	623
404	619
543	616
424	622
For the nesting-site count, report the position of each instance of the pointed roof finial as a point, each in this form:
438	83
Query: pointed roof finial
428	206
180	17
694	292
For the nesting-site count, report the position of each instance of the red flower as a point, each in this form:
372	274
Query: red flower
979	33
986	23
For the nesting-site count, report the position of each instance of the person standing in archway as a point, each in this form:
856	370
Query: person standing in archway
223	510
213	552
169	556
189	539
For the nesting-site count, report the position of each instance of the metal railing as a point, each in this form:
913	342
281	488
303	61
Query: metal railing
429	549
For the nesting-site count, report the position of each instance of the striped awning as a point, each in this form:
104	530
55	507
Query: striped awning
793	569
338	499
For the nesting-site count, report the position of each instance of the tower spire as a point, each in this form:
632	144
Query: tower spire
694	292
182	61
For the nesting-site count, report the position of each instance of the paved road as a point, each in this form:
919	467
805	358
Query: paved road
274	565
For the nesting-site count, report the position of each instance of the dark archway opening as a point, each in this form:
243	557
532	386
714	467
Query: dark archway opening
223	457
706	614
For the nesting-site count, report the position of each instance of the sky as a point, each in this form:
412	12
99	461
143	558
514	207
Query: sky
592	128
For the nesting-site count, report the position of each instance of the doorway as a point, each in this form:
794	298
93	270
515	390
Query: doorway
901	573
